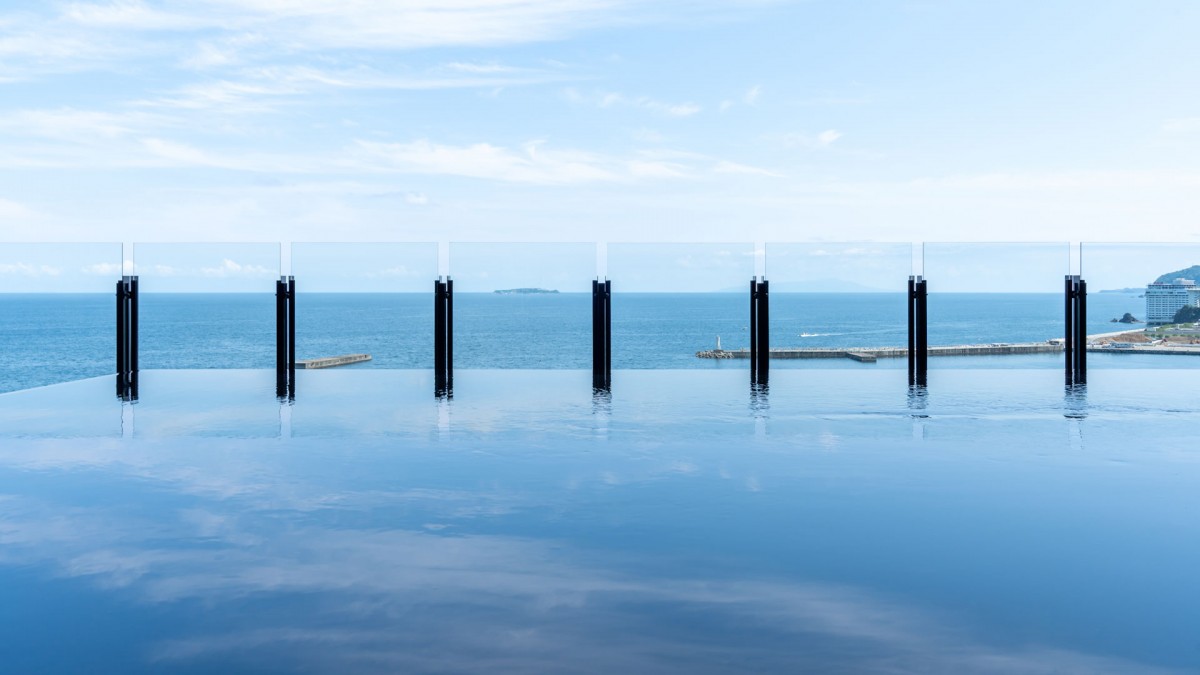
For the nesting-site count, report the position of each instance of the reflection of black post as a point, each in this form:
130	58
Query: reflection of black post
601	334
1075	340
443	336
760	331
127	337
285	337
918	332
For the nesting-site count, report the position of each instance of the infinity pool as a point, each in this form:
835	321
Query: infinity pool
688	523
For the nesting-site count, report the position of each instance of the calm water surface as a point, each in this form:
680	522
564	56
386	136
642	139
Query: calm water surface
683	524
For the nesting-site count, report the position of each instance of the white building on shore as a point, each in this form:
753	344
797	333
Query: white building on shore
1163	300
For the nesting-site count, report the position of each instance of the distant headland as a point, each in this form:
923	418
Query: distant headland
523	291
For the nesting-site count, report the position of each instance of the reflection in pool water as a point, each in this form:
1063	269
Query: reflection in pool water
836	523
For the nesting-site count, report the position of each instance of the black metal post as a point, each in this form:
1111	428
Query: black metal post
760	331
443	336
1075	342
597	336
601	334
285	337
134	296
1069	330
922	331
291	336
912	331
439	335
764	331
122	344
754	329
280	338
127	337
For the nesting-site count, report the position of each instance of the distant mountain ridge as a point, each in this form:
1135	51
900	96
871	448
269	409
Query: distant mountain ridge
1192	273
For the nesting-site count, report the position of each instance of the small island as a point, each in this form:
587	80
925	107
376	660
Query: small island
523	291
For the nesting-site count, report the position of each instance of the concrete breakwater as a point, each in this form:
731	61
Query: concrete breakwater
332	361
868	355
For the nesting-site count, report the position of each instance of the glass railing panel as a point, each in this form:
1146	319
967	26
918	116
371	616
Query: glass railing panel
207	305
1137	294
671	301
365	298
519	305
57	312
843	296
997	295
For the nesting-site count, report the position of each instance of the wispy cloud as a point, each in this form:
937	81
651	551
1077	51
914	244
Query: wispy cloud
610	99
532	163
29	270
539	164
229	268
207	34
823	139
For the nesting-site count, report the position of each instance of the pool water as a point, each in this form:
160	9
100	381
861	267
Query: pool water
836	522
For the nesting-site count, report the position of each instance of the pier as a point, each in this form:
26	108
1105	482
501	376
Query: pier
333	361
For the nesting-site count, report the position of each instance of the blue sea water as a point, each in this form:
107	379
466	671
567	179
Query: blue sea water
47	338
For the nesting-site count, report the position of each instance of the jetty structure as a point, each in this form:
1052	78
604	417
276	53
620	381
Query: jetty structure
870	355
332	361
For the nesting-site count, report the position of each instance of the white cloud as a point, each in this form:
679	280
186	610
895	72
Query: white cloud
266	88
102	269
752	94
230	269
822	140
610	99
479	68
735	168
827	137
531	164
29	270
357	24
536	163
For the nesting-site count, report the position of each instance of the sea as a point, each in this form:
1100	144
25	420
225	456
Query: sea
51	338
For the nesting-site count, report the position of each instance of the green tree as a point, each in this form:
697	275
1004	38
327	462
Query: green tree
1187	314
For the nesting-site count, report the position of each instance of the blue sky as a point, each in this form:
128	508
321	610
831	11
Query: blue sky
599	120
